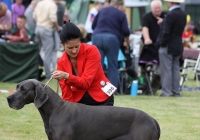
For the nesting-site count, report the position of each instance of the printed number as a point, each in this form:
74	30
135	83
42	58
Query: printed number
110	90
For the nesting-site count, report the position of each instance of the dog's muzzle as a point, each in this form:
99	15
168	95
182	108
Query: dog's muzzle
13	103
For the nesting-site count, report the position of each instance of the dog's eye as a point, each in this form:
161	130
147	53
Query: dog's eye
22	89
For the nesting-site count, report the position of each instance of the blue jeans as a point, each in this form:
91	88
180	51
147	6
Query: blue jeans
108	45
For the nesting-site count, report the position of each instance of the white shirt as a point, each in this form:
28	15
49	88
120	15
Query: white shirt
88	24
45	14
174	7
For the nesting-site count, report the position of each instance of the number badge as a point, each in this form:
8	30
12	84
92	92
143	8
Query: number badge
109	89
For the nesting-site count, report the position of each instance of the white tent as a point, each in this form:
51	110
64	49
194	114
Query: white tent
131	3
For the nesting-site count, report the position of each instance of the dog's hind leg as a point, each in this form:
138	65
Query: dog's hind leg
158	129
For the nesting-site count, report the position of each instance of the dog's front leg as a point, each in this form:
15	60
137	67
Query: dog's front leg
49	135
46	124
64	135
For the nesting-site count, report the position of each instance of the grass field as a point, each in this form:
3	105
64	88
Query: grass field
179	118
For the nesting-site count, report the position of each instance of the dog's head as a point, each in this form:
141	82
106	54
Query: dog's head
28	91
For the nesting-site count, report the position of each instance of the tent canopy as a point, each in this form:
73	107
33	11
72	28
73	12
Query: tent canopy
130	3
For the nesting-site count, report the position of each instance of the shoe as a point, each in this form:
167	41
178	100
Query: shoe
40	76
176	95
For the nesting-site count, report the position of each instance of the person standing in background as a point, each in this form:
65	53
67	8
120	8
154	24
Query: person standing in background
171	48
90	17
110	27
30	24
46	22
60	12
17	9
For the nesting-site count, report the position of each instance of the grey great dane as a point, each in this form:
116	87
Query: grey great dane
65	120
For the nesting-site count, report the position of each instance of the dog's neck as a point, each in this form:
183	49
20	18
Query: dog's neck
49	106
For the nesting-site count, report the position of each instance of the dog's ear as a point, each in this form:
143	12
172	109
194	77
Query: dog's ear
41	97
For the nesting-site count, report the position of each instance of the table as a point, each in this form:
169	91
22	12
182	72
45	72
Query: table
18	61
191	53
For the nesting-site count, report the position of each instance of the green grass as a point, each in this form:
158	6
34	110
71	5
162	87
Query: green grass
178	117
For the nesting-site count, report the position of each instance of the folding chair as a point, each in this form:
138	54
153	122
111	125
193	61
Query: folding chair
182	80
190	65
197	70
122	78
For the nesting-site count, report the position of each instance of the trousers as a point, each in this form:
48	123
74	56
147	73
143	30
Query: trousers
48	53
170	72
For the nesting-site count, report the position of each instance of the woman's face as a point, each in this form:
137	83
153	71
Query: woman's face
72	47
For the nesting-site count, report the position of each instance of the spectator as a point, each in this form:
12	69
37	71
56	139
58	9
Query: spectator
21	35
8	3
26	3
171	48
83	33
30	24
193	43
110	26
44	33
90	17
17	9
60	12
106	3
66	17
5	19
79	71
150	31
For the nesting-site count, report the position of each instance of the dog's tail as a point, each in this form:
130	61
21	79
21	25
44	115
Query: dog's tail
158	129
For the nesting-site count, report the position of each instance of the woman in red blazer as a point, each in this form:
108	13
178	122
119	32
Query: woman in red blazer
79	71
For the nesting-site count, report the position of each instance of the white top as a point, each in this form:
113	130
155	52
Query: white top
45	14
90	17
135	44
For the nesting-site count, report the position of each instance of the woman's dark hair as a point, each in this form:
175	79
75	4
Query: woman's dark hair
69	32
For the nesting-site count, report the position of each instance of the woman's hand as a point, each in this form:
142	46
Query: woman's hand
60	75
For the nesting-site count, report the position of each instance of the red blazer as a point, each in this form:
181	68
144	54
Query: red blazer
90	74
